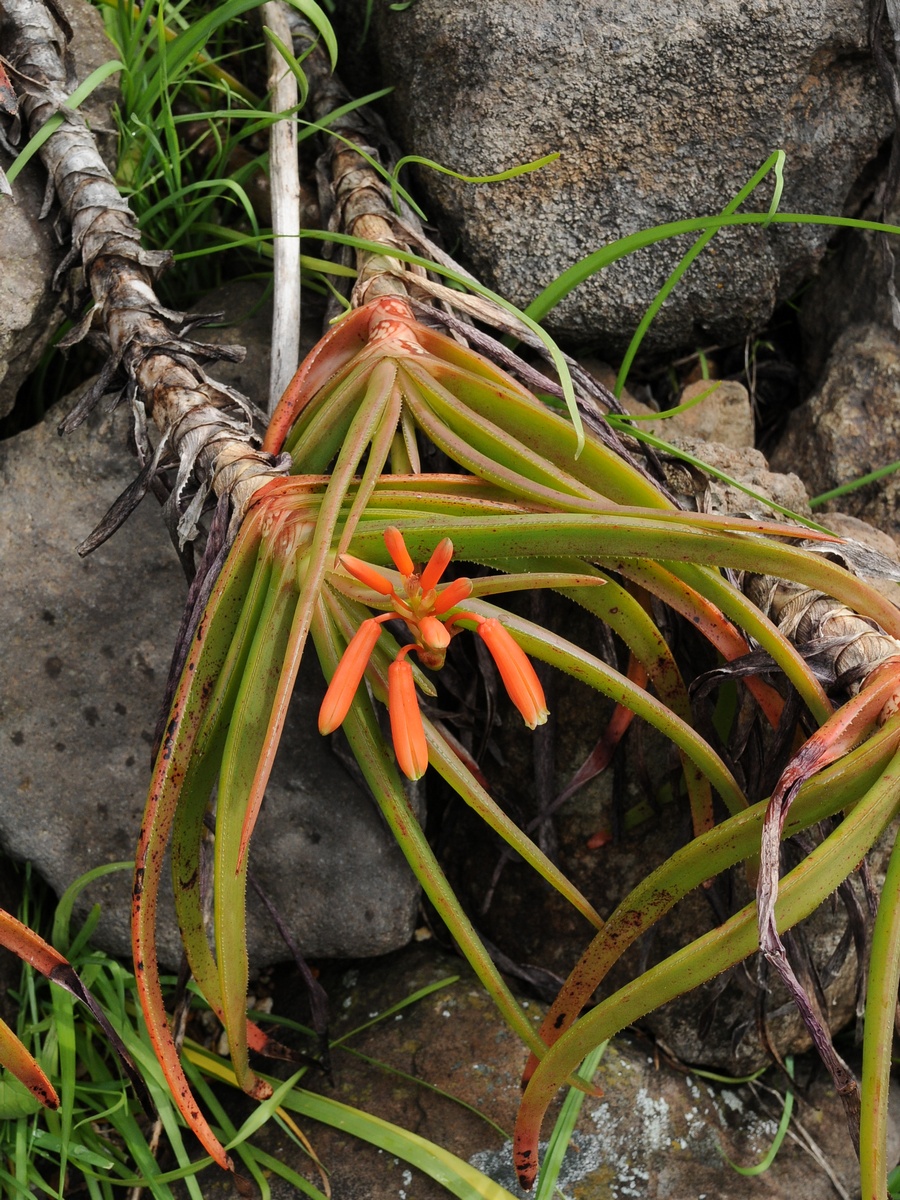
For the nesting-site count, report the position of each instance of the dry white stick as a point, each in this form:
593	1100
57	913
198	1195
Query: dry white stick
284	181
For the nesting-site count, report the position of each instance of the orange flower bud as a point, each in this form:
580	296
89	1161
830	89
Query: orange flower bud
437	564
518	675
367	574
396	546
453	593
406	720
434	635
346	678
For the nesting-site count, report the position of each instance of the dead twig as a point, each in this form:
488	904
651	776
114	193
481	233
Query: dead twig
204	427
284	181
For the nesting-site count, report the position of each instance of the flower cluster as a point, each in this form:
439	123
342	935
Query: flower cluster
429	615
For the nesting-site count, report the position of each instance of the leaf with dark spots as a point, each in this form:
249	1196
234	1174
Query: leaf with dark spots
17	1060
32	948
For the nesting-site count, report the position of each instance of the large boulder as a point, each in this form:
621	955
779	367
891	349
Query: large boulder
86	648
660	110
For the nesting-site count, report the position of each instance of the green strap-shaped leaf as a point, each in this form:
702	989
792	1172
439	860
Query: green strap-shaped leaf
500	399
575	661
622	538
802	891
316	439
695	606
733	841
878	1036
213	643
379	450
310	564
710	583
479	445
244	746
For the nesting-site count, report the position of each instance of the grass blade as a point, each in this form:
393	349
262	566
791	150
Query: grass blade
562	1130
457	1176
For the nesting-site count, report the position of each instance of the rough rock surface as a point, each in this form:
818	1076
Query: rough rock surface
744	465
30	248
86	645
851	286
722	413
853	529
656	1132
851	426
659	111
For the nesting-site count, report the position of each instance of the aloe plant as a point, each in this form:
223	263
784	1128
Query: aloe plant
331	522
334	551
321	552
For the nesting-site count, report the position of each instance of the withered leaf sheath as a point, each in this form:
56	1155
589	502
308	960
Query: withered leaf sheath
204	426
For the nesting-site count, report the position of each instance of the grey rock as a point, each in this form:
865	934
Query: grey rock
659	111
31	249
852	284
721	414
657	1131
743	465
847	526
86	646
853	529
850	426
30	310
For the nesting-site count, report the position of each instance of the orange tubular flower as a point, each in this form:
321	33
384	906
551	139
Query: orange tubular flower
396	547
518	675
435	635
437	565
429	617
367	574
407	730
348	675
453	593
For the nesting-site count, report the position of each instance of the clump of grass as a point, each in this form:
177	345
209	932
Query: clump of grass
101	1142
193	120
